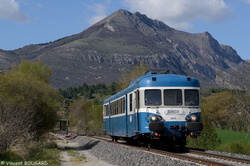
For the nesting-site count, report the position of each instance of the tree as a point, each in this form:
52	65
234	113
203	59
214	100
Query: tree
227	110
23	92
36	69
85	117
112	89
28	109
126	78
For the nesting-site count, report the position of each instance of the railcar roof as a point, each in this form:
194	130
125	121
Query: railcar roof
158	80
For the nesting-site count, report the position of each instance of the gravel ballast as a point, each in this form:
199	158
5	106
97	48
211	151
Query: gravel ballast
125	156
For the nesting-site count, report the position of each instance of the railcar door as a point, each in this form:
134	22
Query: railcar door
109	121
132	117
106	118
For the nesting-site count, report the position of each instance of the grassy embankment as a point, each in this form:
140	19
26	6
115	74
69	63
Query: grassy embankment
47	154
234	142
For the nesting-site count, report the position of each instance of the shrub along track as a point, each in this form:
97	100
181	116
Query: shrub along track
195	156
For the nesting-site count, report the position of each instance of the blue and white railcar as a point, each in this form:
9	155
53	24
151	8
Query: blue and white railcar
155	107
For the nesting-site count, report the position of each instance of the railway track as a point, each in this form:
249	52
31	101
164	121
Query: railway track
220	157
194	156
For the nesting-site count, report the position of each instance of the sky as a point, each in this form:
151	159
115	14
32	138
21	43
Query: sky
25	22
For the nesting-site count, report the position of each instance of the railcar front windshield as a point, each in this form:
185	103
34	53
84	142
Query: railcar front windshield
172	97
153	97
191	97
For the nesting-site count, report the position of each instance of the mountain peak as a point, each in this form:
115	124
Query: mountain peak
115	44
118	14
122	12
127	21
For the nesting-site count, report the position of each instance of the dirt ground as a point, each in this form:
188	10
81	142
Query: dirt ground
71	155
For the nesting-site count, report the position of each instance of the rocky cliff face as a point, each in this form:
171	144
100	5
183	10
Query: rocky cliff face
114	45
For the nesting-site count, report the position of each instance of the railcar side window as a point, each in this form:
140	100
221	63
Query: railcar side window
112	109
137	96
191	97
120	106
123	105
116	107
130	102
105	110
172	97
152	97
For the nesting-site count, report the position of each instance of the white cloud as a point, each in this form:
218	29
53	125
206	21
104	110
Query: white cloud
100	13
179	13
9	9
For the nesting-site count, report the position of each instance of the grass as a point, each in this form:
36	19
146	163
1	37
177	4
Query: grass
41	155
234	142
49	155
76	157
9	156
227	136
46	156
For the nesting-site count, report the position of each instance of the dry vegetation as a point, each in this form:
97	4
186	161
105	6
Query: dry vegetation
28	107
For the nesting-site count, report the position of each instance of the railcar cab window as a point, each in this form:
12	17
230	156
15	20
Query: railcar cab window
153	97
172	97
105	111
192	97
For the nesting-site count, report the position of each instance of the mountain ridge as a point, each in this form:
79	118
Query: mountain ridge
115	44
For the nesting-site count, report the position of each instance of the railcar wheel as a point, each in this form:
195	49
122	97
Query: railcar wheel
114	139
140	142
149	147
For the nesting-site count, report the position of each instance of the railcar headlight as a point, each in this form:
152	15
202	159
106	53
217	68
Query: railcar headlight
193	118
153	118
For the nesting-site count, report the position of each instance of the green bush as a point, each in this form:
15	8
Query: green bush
85	117
208	139
238	146
28	109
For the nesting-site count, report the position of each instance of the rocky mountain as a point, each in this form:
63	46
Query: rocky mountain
7	58
114	45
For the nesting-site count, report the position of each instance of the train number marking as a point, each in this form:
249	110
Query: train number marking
173	112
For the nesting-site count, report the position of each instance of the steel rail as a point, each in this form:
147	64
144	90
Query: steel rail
218	156
185	157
